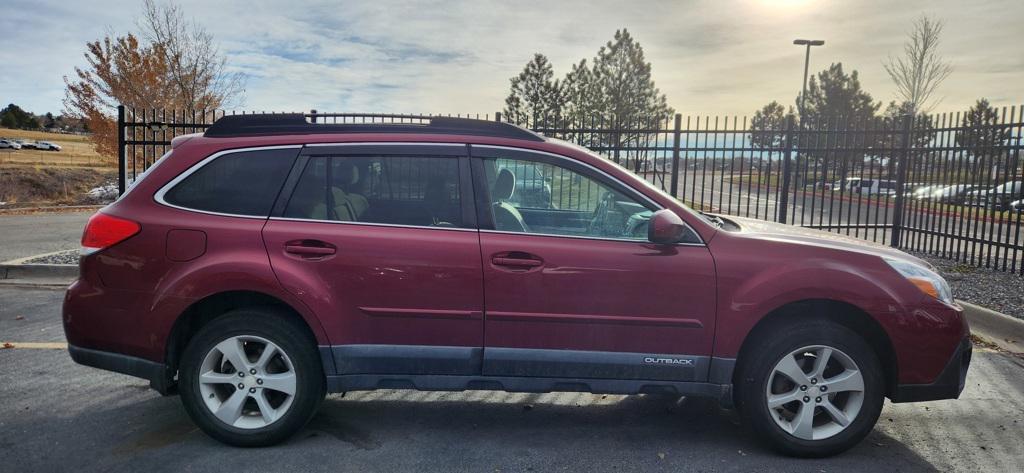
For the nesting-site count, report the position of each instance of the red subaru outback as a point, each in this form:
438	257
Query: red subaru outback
271	260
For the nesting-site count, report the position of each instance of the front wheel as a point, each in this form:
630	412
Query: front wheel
812	389
251	378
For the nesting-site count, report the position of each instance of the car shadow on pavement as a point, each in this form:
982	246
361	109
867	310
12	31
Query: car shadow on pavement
117	424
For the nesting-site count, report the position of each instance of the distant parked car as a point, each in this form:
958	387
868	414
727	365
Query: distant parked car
1017	205
25	144
953	194
997	198
9	144
47	146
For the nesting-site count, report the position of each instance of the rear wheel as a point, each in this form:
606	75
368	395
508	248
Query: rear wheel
251	378
811	389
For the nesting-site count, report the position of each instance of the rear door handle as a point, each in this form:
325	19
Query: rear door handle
310	248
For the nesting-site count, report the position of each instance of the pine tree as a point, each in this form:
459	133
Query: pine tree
535	97
628	100
982	136
767	126
836	100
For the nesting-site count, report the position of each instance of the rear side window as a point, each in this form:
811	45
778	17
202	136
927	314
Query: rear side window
399	190
243	183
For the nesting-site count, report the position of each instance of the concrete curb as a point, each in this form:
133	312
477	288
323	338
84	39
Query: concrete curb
57	272
999	329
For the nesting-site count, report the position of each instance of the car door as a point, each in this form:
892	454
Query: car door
573	289
381	242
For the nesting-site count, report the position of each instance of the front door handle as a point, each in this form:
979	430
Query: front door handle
310	248
517	260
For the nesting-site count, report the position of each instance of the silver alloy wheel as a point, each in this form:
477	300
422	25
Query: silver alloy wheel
815	392
247	382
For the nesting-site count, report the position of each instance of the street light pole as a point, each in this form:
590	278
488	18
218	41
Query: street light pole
807	63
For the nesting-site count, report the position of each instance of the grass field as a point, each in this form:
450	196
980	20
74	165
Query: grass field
76	151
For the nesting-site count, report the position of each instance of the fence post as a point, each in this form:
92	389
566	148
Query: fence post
312	115
122	168
676	135
497	116
784	192
901	178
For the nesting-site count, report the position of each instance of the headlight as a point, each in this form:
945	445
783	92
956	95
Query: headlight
928	281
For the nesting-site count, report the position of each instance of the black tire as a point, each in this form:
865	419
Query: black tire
290	337
782	339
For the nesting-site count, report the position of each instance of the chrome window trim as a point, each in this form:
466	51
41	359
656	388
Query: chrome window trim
584	237
601	172
160	195
371	224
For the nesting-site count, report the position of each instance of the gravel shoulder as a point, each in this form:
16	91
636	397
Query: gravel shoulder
1001	291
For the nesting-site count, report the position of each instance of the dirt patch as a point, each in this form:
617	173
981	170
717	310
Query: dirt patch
30	186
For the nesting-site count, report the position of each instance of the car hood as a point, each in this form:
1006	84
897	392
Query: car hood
762	229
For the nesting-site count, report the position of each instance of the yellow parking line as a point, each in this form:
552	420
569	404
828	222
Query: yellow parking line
35	345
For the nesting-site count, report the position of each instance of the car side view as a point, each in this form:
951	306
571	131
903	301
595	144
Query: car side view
271	260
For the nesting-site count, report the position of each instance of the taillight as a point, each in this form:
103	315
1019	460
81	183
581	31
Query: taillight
104	231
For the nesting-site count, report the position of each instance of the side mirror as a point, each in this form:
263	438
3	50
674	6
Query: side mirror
665	228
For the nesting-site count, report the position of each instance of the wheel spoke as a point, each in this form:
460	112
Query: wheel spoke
211	377
234	353
849	380
836	414
231	409
269	413
802	425
777	400
268	352
283	382
821	362
788	367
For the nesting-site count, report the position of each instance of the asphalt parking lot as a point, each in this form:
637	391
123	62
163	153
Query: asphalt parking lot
58	416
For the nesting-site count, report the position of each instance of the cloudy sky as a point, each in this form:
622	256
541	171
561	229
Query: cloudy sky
456	56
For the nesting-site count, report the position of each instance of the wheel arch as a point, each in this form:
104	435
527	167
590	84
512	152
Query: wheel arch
843	313
209	308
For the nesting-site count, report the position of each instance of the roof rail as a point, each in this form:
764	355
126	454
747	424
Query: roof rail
296	124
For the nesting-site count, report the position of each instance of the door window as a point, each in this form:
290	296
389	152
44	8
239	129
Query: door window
398	190
539	197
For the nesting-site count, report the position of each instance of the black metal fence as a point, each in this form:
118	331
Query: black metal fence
930	183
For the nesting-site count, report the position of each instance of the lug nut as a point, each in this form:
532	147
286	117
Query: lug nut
823	388
252	390
814	380
259	381
807	399
803	388
241	374
241	386
252	371
817	399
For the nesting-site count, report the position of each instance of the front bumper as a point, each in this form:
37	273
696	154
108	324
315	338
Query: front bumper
156	373
948	385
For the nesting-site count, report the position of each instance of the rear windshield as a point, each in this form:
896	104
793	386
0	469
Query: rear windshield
242	183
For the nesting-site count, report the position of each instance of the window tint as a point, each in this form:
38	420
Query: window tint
537	197
244	183
400	190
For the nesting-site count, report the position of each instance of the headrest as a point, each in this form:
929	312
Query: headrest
504	185
345	174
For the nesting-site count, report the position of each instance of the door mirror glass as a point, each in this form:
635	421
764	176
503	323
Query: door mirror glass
665	228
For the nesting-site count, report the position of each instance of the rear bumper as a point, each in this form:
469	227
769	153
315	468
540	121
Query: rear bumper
948	385
156	373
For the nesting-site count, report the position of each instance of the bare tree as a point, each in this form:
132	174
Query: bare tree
198	72
920	70
173	64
